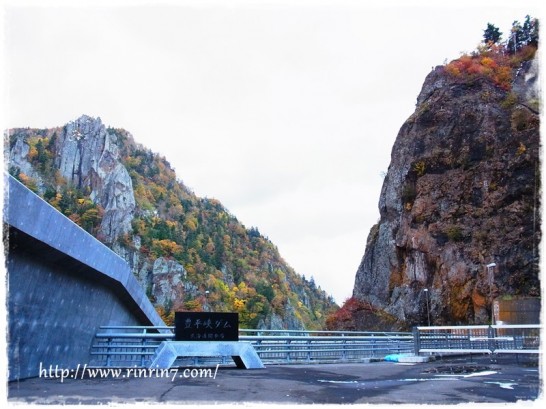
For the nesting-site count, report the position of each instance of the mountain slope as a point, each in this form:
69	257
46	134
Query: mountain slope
189	253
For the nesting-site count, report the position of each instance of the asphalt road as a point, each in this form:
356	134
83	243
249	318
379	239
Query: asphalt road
440	382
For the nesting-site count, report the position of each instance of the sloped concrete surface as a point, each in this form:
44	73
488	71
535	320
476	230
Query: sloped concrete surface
63	284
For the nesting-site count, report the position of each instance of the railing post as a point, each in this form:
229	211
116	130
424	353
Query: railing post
416	341
143	349
108	359
491	338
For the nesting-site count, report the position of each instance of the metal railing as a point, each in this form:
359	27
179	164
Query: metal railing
327	346
130	346
478	339
136	345
127	345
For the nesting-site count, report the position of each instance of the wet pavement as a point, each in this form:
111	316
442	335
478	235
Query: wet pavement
452	381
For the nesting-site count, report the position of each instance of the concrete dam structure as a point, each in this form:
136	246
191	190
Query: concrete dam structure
63	284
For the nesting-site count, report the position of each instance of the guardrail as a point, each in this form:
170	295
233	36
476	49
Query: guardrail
288	349
127	345
135	346
478	339
130	346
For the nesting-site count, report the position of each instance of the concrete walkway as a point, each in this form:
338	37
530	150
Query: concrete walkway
440	382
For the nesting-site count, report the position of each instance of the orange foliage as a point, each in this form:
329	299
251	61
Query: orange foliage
28	182
344	318
165	248
492	63
488	62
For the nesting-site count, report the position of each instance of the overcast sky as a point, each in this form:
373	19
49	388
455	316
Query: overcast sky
284	111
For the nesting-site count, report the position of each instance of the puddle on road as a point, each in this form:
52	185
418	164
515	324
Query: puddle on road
504	385
376	384
470	375
437	377
439	373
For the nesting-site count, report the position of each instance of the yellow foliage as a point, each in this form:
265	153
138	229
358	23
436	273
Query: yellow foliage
191	223
193	305
239	305
452	69
32	153
28	182
488	62
167	317
165	247
55	202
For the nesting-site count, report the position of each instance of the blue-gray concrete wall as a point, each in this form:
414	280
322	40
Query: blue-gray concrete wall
63	284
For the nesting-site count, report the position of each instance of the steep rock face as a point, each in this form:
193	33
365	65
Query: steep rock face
276	322
167	281
18	157
461	192
88	158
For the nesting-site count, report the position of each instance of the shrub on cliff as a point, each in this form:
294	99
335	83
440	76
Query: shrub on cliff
495	61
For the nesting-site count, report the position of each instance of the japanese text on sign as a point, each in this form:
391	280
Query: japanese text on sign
206	326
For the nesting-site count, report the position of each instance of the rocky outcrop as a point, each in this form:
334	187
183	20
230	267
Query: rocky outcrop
167	281
18	155
88	158
275	322
461	192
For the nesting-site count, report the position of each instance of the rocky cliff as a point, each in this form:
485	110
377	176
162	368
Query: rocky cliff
461	192
88	158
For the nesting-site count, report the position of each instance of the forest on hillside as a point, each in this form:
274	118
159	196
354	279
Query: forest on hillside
228	266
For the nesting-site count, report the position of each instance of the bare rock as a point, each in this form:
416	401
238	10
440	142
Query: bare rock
168	284
18	157
462	191
88	158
